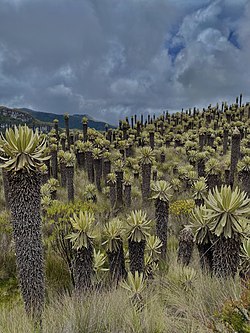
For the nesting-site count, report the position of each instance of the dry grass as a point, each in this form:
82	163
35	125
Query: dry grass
172	303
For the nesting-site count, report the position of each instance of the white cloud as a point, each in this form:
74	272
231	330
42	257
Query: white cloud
113	57
60	89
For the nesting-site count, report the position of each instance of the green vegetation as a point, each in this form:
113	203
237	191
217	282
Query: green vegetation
45	120
143	228
10	117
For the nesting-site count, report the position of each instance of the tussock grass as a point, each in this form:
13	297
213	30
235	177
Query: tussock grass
171	303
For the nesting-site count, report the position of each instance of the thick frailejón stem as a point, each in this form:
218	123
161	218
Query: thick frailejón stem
63	174
161	214
235	154
106	170
146	175
66	119
54	165
213	180
119	190
186	245
81	160
227	176
112	194
56	126
202	141
127	195
245	181
98	173
70	182
201	168
117	264
25	203
83	268
206	256
47	163
226	256
63	142
6	188
89	166
225	141
85	131
152	139
136	255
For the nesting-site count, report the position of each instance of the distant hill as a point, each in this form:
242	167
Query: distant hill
75	120
16	116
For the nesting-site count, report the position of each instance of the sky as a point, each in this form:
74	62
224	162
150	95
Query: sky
114	58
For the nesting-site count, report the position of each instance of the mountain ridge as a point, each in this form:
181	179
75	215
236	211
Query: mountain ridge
15	116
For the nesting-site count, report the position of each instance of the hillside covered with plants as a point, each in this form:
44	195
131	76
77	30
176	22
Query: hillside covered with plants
10	117
142	228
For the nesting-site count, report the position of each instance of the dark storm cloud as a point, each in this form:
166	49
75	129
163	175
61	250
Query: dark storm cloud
111	58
